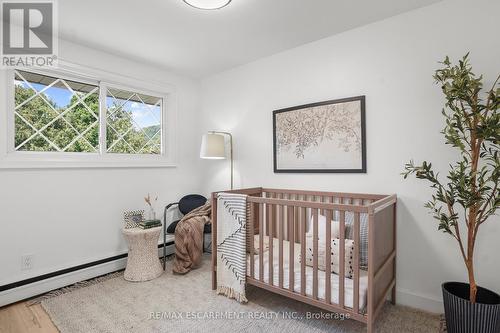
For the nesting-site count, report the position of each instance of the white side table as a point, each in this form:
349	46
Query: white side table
143	263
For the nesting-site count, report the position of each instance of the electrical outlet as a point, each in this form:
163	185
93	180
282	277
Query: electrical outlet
26	262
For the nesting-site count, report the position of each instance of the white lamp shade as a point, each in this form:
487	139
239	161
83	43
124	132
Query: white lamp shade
213	147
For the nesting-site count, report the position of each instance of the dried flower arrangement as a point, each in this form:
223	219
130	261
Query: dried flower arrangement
151	203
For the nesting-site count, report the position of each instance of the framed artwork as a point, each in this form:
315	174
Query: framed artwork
324	137
133	218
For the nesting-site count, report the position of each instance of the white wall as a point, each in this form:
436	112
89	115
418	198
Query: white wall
67	217
72	216
391	62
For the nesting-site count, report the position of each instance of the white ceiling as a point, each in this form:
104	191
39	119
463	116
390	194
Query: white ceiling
177	37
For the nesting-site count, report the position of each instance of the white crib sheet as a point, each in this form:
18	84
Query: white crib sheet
348	283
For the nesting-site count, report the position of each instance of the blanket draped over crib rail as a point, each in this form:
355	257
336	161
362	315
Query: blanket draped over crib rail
231	245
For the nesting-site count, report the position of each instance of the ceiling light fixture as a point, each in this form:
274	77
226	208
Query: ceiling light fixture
208	4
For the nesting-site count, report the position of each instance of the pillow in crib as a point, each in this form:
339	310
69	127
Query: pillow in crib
256	244
334	256
334	230
363	236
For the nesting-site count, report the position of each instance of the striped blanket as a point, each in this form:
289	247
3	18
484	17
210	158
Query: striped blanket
231	245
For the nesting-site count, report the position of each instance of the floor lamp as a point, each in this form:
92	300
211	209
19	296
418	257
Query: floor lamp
213	148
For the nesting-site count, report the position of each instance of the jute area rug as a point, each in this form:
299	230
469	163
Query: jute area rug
175	303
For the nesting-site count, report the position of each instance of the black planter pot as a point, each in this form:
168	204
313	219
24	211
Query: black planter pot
463	316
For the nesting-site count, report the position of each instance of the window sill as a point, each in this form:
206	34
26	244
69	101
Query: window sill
97	162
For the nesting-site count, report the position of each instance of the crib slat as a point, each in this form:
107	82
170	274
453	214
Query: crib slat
296	223
271	235
274	214
261	242
288	220
251	239
336	212
288	226
305	218
328	257
302	212
269	219
342	258
315	254
280	247
266	208
356	263
291	257
332	200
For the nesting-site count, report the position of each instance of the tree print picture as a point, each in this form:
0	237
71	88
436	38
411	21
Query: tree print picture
321	137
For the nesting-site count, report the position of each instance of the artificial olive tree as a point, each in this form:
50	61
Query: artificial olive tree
470	194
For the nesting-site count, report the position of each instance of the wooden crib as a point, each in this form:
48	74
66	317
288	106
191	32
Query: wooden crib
281	217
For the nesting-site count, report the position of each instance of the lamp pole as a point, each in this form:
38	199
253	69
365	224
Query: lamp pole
230	151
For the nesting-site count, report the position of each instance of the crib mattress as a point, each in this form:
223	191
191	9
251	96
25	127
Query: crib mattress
334	278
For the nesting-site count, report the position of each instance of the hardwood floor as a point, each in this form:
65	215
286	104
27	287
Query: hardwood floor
21	318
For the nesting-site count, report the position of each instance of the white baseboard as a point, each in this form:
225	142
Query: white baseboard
418	301
404	297
40	287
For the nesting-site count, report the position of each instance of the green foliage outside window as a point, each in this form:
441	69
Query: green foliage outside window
39	110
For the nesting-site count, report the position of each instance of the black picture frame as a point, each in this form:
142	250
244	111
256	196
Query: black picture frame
362	100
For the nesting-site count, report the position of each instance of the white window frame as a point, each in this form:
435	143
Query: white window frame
12	159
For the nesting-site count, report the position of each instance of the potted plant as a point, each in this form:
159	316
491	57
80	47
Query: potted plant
470	194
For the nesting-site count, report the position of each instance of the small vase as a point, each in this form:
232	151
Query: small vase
151	214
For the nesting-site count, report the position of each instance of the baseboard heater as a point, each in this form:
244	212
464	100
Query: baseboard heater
37	285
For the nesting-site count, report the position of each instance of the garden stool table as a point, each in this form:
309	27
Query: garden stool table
143	263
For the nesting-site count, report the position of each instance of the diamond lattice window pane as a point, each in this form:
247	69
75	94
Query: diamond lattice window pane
154	146
90	137
23	131
133	122
60	133
53	114
32	81
36	110
38	143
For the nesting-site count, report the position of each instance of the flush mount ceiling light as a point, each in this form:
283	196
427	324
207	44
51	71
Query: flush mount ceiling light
207	4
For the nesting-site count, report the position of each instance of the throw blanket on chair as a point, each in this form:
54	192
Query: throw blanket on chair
231	245
189	239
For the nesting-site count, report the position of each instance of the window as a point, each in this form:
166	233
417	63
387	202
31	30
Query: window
133	122
65	117
53	114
